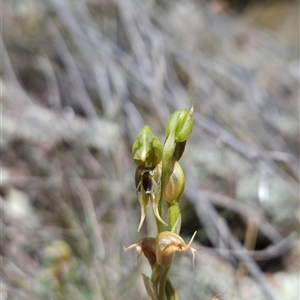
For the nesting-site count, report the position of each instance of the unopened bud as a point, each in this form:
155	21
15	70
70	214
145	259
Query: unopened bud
175	184
181	122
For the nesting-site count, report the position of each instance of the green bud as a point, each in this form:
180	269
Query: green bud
147	149
181	121
174	187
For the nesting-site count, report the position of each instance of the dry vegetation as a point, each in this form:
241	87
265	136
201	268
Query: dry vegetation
80	79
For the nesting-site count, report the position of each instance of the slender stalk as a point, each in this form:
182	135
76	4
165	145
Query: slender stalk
162	284
173	213
170	292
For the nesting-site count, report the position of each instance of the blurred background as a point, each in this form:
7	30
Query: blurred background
80	78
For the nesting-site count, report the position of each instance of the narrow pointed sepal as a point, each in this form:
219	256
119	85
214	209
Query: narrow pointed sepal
143	200
155	210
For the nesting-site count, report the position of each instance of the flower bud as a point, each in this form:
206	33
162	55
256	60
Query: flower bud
181	122
167	243
147	149
175	184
